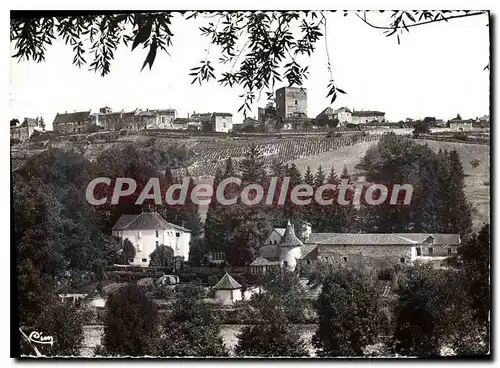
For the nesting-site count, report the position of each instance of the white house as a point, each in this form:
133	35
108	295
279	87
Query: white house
148	230
227	290
222	122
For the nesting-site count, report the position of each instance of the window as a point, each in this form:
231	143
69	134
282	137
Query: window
178	235
344	259
156	233
295	102
157	243
308	261
402	260
139	247
449	251
419	251
139	234
431	251
144	260
131	260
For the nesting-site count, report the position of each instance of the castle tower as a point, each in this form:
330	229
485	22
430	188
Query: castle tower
290	248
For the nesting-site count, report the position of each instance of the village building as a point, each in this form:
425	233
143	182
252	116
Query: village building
134	120
368	116
73	122
147	231
344	116
222	122
459	125
227	290
291	102
288	250
25	130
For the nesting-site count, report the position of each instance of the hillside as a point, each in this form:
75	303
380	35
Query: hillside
477	193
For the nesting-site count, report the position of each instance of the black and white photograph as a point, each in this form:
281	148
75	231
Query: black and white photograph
250	184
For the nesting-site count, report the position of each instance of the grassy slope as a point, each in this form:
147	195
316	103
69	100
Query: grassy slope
477	193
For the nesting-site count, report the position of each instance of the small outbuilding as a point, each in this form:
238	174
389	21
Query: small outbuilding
227	290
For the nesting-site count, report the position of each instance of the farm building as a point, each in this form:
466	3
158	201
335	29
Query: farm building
227	290
288	250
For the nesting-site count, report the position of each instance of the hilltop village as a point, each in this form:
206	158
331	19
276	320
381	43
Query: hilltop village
178	280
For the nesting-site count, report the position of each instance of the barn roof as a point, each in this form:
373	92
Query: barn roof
381	239
72	116
227	283
368	113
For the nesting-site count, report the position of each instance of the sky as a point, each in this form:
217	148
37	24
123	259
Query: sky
436	70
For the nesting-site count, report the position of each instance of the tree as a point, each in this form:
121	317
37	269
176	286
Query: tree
191	330
252	166
285	286
294	174
349	315
127	252
345	173
332	177
41	123
475	254
277	167
319	178
421	127
14	122
434	312
130	324
271	333
260	69
64	323
308	176
229	171
162	256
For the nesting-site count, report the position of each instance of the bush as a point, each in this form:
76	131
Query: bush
386	274
460	136
475	163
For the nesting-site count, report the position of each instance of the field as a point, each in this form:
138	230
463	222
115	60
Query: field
477	192
348	155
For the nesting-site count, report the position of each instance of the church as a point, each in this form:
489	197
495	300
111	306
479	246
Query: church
284	249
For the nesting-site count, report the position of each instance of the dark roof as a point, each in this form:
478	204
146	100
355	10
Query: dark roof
368	113
380	239
72	116
146	221
343	109
227	283
146	113
166	111
326	112
270	251
222	114
181	121
264	262
29	122
289	238
307	251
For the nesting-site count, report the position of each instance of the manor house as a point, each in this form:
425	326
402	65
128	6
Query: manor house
283	248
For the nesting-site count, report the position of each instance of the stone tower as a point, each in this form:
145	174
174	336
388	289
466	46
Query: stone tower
291	102
290	248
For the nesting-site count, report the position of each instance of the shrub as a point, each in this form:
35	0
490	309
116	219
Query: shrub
386	274
460	136
475	163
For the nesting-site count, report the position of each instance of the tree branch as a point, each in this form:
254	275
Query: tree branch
420	23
